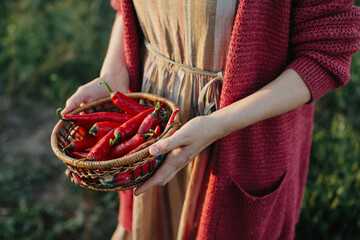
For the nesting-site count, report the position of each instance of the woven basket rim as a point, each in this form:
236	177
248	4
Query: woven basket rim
118	162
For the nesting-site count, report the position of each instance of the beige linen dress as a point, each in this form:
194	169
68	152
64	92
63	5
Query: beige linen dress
187	43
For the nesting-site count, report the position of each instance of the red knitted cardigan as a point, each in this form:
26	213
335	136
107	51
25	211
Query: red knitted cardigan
256	185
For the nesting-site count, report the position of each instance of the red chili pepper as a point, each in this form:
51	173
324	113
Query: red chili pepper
130	127
124	102
126	146
73	176
172	118
141	146
76	178
79	145
151	141
137	171
79	155
90	119
99	129
146	167
121	178
151	120
101	149
163	121
80	133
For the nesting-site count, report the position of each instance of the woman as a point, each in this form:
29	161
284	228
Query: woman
246	75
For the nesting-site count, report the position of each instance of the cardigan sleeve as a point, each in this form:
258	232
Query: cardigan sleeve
132	40
324	35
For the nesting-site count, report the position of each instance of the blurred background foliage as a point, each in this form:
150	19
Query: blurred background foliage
50	47
47	49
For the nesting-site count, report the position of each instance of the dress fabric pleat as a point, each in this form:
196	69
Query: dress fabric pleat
195	34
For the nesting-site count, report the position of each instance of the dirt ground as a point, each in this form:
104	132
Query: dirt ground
25	129
25	136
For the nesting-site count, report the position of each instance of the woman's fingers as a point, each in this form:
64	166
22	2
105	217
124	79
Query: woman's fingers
183	137
72	103
92	91
164	146
84	94
181	148
174	162
167	170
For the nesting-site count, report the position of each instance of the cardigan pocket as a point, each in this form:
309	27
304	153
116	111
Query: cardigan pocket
246	216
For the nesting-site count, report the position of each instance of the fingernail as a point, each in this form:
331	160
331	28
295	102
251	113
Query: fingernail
154	151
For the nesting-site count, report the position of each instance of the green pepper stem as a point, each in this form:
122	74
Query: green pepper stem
164	117
149	134
167	130
157	108
69	147
61	117
93	130
116	139
107	87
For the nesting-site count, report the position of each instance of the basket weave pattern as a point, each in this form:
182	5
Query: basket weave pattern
93	175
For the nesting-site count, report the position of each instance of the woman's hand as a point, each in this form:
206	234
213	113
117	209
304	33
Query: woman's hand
182	147
91	91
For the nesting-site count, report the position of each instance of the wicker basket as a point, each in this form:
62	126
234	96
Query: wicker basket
133	169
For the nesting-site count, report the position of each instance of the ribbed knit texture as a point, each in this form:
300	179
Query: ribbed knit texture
257	183
132	40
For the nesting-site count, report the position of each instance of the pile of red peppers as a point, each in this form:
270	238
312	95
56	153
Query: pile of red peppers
102	136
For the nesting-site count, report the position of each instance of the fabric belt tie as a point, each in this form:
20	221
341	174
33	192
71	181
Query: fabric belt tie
209	96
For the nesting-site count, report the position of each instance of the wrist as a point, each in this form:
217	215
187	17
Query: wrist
113	67
215	126
117	79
